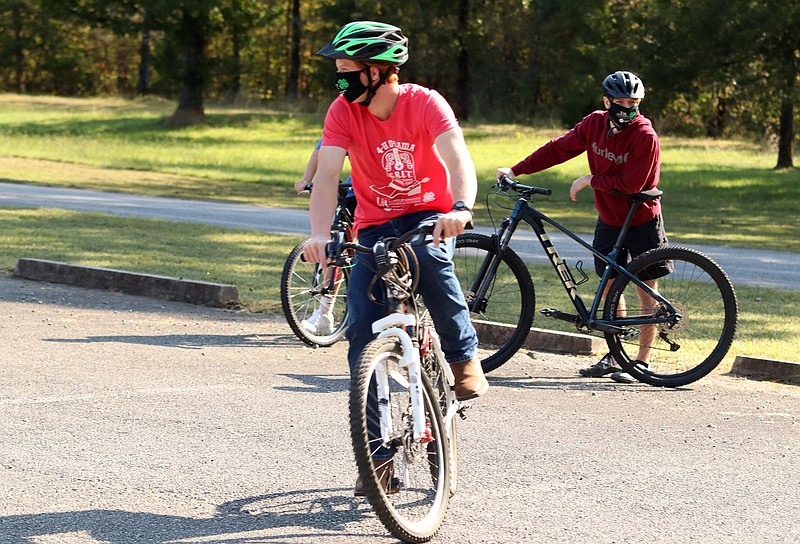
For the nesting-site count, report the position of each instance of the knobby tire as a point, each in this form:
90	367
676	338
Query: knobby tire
415	512
702	293
505	321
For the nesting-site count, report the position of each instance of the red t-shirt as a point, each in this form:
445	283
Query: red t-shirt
629	161
395	167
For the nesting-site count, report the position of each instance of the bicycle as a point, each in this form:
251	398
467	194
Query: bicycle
305	288
402	406
694	308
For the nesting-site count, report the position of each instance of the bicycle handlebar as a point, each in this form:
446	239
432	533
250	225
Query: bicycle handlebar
505	184
343	186
334	250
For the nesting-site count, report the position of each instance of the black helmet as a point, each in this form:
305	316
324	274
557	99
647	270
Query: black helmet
368	40
623	85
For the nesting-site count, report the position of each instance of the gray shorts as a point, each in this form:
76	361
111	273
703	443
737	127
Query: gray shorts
641	238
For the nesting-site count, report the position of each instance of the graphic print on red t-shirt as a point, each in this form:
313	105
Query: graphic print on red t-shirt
397	159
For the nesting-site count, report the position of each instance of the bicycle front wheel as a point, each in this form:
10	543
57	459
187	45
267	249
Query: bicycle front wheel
503	316
693	343
406	480
433	362
315	321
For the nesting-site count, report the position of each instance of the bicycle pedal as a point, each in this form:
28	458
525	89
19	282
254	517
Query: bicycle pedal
630	334
462	410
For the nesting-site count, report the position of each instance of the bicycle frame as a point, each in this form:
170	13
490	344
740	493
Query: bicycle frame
523	211
397	324
341	231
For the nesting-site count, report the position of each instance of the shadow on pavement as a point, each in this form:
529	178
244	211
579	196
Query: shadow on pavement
194	341
309	515
317	383
575	384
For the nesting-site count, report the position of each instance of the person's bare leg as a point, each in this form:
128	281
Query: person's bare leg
647	333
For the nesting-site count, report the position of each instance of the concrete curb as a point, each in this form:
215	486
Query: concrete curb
162	287
226	296
766	369
543	340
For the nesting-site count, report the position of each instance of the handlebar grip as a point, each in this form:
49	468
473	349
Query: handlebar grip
542	191
505	183
333	250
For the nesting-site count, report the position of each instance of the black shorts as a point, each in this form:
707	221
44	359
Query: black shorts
640	238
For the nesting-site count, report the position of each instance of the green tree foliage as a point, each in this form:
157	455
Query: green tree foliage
712	67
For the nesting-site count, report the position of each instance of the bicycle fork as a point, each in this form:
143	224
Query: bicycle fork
394	325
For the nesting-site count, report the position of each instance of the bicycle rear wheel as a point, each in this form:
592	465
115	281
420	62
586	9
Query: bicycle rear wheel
687	349
302	288
504	316
405	480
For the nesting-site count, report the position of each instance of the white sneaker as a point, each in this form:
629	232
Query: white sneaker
319	323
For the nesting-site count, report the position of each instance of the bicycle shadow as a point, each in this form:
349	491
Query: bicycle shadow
568	383
309	515
192	341
315	383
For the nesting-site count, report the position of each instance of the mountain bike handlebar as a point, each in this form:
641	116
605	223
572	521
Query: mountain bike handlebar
505	184
343	186
417	237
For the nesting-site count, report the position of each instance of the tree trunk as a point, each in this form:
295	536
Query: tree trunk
786	134
715	128
464	93
192	36
19	50
236	77
145	70
294	60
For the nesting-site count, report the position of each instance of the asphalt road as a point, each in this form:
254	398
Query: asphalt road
129	420
745	267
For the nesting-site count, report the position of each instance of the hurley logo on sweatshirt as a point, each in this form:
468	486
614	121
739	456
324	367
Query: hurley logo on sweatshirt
606	154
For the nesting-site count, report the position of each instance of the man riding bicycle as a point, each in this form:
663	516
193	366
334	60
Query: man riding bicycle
409	164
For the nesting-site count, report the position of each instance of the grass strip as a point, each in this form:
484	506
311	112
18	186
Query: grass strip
717	192
769	319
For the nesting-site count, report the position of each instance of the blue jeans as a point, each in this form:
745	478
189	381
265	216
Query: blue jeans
438	286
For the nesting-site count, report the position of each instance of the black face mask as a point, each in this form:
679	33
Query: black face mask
621	117
349	85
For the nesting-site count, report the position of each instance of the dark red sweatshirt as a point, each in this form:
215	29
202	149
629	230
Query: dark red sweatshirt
629	161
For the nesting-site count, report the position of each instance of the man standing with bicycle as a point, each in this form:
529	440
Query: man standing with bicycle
624	157
409	164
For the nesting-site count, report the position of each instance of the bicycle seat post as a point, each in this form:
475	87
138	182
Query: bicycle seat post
623	233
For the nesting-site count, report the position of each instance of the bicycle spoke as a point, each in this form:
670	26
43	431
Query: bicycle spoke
691	346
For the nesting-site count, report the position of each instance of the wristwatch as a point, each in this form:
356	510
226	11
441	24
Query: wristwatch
459	206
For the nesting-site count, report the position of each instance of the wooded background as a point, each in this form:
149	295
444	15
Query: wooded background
716	68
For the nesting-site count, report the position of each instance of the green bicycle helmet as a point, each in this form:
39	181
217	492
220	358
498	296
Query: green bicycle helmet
368	40
622	84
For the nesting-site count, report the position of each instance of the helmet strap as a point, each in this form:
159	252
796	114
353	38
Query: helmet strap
373	89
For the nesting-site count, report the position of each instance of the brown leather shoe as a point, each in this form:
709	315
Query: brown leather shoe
385	469
470	381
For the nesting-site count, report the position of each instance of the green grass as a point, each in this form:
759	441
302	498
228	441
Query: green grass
768	318
251	260
715	193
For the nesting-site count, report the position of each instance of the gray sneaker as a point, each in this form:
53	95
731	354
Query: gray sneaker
606	365
623	377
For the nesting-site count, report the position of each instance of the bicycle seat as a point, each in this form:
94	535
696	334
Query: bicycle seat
644	196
